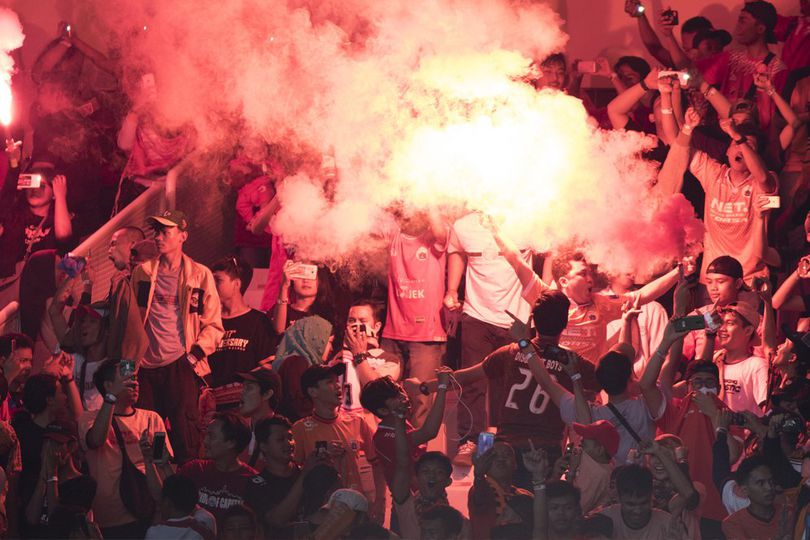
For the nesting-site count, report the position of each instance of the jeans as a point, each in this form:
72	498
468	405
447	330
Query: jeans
478	339
419	359
172	391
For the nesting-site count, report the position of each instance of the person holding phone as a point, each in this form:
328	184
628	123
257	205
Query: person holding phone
104	453
302	294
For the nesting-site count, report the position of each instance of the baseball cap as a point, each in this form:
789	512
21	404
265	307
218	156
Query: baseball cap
765	14
602	432
726	265
170	218
723	37
315	374
350	497
264	375
744	310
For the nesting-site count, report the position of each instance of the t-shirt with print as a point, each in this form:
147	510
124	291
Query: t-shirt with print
635	413
164	326
416	268
352	431
745	384
91	399
216	490
248	339
383	362
267	491
528	411
492	287
586	332
105	461
734	226
654	530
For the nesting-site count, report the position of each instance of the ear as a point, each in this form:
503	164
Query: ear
267	395
562	281
377	326
739	283
184	234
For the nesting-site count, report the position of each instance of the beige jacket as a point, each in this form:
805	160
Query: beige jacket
199	303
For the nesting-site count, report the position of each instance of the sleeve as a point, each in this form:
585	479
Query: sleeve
705	169
190	470
84	424
300	441
590	385
389	366
733	530
264	341
759	382
211	329
784	27
244	202
368	440
408	519
532	290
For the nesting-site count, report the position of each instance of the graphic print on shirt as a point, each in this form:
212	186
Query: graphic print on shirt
732	212
221	499
231	343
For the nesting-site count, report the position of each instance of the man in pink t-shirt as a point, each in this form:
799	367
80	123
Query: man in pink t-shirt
413	325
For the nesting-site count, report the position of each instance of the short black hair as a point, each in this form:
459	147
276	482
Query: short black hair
435	456
181	492
556	58
696	23
20	341
550	313
264	427
375	393
234	429
236	268
452	520
748	465
235	511
38	388
133	233
105	373
748	129
558	489
702	366
613	371
377	308
633	480
636	63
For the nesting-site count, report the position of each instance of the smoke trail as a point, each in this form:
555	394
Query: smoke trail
422	105
11	37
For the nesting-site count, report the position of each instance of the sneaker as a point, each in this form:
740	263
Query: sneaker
465	454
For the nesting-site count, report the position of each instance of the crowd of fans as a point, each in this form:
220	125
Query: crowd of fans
563	401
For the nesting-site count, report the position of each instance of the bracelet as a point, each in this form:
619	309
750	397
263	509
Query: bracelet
442	387
575	377
66	380
709	92
720	430
282	302
359	358
666	111
771	92
52	479
644	85
687	129
740	141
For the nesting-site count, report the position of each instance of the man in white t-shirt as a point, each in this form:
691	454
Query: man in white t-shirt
744	377
491	289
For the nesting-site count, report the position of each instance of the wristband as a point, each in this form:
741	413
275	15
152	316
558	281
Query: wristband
575	377
644	86
442	387
52	479
666	111
720	430
539	486
771	92
741	140
359	358
687	129
66	380
282	302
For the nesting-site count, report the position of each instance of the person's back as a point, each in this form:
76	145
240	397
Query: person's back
181	518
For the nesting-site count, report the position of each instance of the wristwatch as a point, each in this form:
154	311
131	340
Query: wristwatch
423	388
524	343
110	398
359	358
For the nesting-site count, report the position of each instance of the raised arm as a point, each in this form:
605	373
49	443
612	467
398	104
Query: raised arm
648	35
620	107
649	379
792	121
433	422
686	496
657	287
401	484
670	178
62	227
538	368
755	164
536	462
785	297
524	271
669	121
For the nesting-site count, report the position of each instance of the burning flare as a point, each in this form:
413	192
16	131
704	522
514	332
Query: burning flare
11	38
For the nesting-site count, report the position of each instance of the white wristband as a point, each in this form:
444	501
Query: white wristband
687	129
666	111
442	387
575	377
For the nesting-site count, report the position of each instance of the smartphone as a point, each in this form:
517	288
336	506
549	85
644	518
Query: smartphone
683	76
670	17
159	445
29	181
321	450
72	265
691	322
773	201
486	440
127	368
638	11
586	66
302	271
